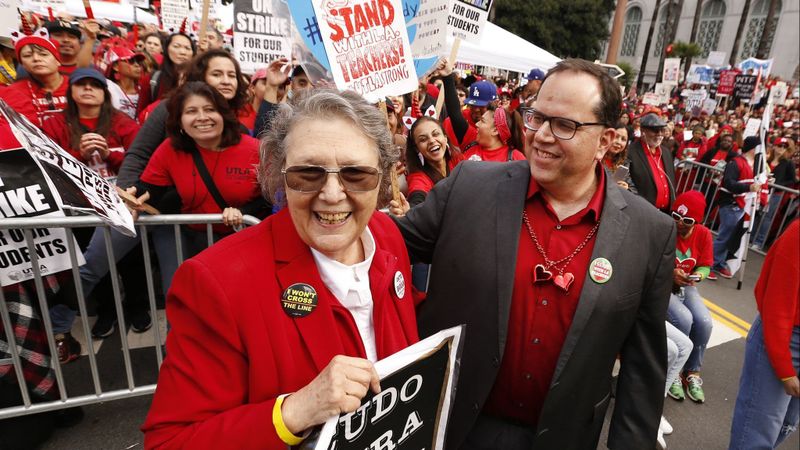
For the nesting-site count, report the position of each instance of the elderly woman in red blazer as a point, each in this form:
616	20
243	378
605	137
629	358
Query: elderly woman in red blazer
276	328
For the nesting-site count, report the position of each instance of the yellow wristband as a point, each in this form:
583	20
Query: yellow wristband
277	419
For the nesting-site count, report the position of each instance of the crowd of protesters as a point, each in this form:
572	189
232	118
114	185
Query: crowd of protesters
172	119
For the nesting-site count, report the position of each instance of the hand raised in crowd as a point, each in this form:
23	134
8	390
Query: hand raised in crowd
400	208
442	69
278	72
202	45
792	386
91	142
338	389
90	28
232	217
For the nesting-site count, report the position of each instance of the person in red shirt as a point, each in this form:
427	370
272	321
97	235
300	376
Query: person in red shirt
695	146
694	256
44	92
429	156
768	403
651	165
499	137
90	129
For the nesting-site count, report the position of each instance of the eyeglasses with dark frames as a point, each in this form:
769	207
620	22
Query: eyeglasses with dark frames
561	127
309	178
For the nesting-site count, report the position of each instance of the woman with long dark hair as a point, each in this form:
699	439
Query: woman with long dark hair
180	48
429	158
90	129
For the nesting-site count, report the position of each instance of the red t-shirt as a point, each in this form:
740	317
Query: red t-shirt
541	313
659	176
695	251
500	154
420	181
233	172
29	99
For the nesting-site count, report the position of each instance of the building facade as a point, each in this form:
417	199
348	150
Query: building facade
716	31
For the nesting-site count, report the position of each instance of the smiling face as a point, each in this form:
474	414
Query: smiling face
201	121
179	49
331	221
221	75
87	92
558	164
37	61
431	141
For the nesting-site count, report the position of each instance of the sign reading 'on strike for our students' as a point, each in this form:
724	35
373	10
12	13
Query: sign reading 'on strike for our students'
262	33
367	46
467	19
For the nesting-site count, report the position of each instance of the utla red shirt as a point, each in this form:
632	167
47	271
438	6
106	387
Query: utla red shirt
233	171
28	98
694	251
541	313
420	181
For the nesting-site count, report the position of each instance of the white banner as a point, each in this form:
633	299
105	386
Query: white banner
9	19
41	7
262	33
467	19
716	59
412	408
80	188
672	71
430	21
25	192
367	46
172	14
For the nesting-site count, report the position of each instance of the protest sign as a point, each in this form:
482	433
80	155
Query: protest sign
716	59
751	66
426	21
662	91
672	71
412	408
752	127
41	6
26	193
709	105
262	33
466	19
727	79
743	87
172	14
80	188
8	17
367	46
778	93
699	74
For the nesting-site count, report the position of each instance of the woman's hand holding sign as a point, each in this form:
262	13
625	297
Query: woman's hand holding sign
338	389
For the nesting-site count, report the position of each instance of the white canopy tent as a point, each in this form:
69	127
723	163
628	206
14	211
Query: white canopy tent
504	50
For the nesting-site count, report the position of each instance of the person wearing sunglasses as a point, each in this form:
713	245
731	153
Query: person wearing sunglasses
651	164
244	369
694	256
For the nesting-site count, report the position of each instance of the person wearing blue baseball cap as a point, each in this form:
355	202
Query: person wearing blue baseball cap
535	77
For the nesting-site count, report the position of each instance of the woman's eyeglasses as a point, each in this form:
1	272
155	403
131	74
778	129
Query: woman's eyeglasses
313	178
688	221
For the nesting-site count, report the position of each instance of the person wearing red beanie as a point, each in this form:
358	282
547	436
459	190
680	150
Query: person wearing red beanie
44	92
687	312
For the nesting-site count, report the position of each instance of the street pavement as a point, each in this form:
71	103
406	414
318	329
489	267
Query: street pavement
115	425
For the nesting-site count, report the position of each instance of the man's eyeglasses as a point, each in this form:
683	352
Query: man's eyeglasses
688	221
313	178
561	127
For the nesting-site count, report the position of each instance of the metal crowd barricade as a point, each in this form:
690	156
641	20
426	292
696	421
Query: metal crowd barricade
28	226
783	201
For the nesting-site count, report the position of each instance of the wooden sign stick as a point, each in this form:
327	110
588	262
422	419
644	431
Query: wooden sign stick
131	200
204	20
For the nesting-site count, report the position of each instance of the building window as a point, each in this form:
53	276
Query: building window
633	21
756	25
662	27
711	26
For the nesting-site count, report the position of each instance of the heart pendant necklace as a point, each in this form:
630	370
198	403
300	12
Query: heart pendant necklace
541	272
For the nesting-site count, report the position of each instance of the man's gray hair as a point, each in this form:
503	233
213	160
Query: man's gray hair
324	104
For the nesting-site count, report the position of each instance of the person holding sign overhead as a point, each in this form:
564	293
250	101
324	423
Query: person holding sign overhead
324	292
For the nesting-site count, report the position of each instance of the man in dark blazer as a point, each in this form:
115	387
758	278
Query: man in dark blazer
539	350
652	167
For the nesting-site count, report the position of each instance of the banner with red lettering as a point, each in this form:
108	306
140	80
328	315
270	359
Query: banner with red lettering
367	45
727	79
